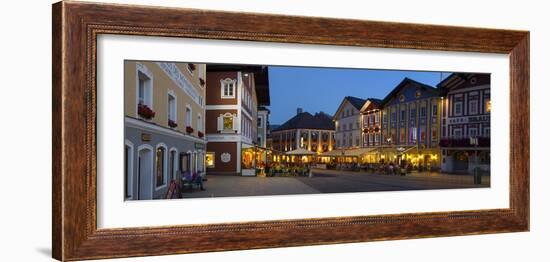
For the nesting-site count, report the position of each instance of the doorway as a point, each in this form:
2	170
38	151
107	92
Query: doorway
185	163
460	161
145	173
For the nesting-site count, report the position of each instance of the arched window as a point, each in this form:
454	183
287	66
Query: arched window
227	123
160	166
200	162
128	169
184	162
145	172
194	162
172	163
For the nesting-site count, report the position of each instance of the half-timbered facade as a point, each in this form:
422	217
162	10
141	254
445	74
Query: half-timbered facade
466	122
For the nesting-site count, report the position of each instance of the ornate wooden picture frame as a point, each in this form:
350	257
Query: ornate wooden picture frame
76	26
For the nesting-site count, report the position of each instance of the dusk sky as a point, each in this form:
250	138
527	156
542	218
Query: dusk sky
322	89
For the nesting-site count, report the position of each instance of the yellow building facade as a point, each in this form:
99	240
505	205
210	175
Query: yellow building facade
164	112
411	125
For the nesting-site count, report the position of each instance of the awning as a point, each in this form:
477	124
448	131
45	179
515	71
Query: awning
300	152
335	152
395	150
354	152
362	151
403	149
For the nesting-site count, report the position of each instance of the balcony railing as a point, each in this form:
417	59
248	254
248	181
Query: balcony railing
482	141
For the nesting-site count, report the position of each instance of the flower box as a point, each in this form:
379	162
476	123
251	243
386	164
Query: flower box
189	130
145	112
172	123
201	134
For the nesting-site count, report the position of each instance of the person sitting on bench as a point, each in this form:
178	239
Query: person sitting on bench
193	179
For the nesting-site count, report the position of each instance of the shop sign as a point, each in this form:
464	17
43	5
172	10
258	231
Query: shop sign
225	157
471	119
145	137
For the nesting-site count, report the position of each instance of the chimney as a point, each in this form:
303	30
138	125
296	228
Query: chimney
299	110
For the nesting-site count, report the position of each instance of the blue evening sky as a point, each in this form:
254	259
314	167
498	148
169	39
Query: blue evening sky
322	89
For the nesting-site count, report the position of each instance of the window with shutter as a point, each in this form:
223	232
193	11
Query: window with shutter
220	123
227	122
235	123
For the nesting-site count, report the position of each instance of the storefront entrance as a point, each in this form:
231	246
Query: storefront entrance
460	161
248	163
185	162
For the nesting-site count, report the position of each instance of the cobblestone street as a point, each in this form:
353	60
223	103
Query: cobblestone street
330	181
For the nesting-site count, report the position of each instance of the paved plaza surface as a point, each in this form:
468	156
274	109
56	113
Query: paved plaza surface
330	181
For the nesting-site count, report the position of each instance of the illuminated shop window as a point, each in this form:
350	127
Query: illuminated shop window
210	156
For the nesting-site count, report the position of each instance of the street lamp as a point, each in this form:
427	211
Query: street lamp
388	141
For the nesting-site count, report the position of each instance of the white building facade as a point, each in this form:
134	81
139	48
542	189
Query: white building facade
347	123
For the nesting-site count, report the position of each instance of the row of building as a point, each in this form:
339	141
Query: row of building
445	128
197	118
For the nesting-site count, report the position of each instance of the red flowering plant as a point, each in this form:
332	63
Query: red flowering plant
145	111
192	67
189	130
201	134
172	123
202	82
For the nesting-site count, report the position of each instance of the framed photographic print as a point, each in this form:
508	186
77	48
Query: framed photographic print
181	130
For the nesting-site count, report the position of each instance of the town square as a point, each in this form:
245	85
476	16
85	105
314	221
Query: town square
222	130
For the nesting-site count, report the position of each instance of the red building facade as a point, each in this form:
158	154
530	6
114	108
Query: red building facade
232	98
